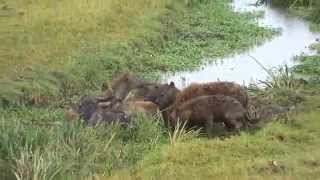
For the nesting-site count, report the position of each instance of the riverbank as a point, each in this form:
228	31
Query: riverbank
308	65
285	148
176	37
154	37
308	9
294	38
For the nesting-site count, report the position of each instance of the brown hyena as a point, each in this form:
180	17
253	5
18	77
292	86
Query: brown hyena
122	85
163	95
142	90
203	111
213	88
147	107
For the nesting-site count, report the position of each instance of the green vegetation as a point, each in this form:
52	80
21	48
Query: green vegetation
309	9
54	52
278	151
309	65
86	43
40	144
52	33
285	148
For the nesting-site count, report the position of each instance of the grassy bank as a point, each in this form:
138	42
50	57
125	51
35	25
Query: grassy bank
309	64
284	148
55	52
278	151
39	144
88	42
147	37
309	9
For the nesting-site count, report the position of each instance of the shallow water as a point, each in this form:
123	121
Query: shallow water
294	39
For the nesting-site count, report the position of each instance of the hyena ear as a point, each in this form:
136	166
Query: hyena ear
172	84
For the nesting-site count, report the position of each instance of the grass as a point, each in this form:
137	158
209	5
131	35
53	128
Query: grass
50	33
278	151
54	52
309	9
39	144
88	42
180	133
285	148
309	64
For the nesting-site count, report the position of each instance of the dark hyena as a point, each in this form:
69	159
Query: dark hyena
203	111
88	105
163	95
103	116
213	88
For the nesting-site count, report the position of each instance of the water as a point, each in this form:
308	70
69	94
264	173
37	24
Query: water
294	39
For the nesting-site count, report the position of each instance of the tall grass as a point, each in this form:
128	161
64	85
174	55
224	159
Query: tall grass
180	133
39	144
279	77
282	87
306	3
277	151
315	14
54	52
312	11
282	77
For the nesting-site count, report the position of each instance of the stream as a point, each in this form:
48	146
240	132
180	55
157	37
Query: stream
294	40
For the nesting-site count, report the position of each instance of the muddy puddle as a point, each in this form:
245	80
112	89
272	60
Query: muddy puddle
294	39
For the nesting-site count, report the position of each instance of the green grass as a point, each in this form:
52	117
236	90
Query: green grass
292	147
88	46
309	9
39	144
285	148
309	65
51	33
55	52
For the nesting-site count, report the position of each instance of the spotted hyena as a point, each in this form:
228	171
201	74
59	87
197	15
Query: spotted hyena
203	111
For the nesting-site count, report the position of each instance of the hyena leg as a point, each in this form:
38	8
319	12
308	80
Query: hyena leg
209	125
233	124
229	126
96	118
